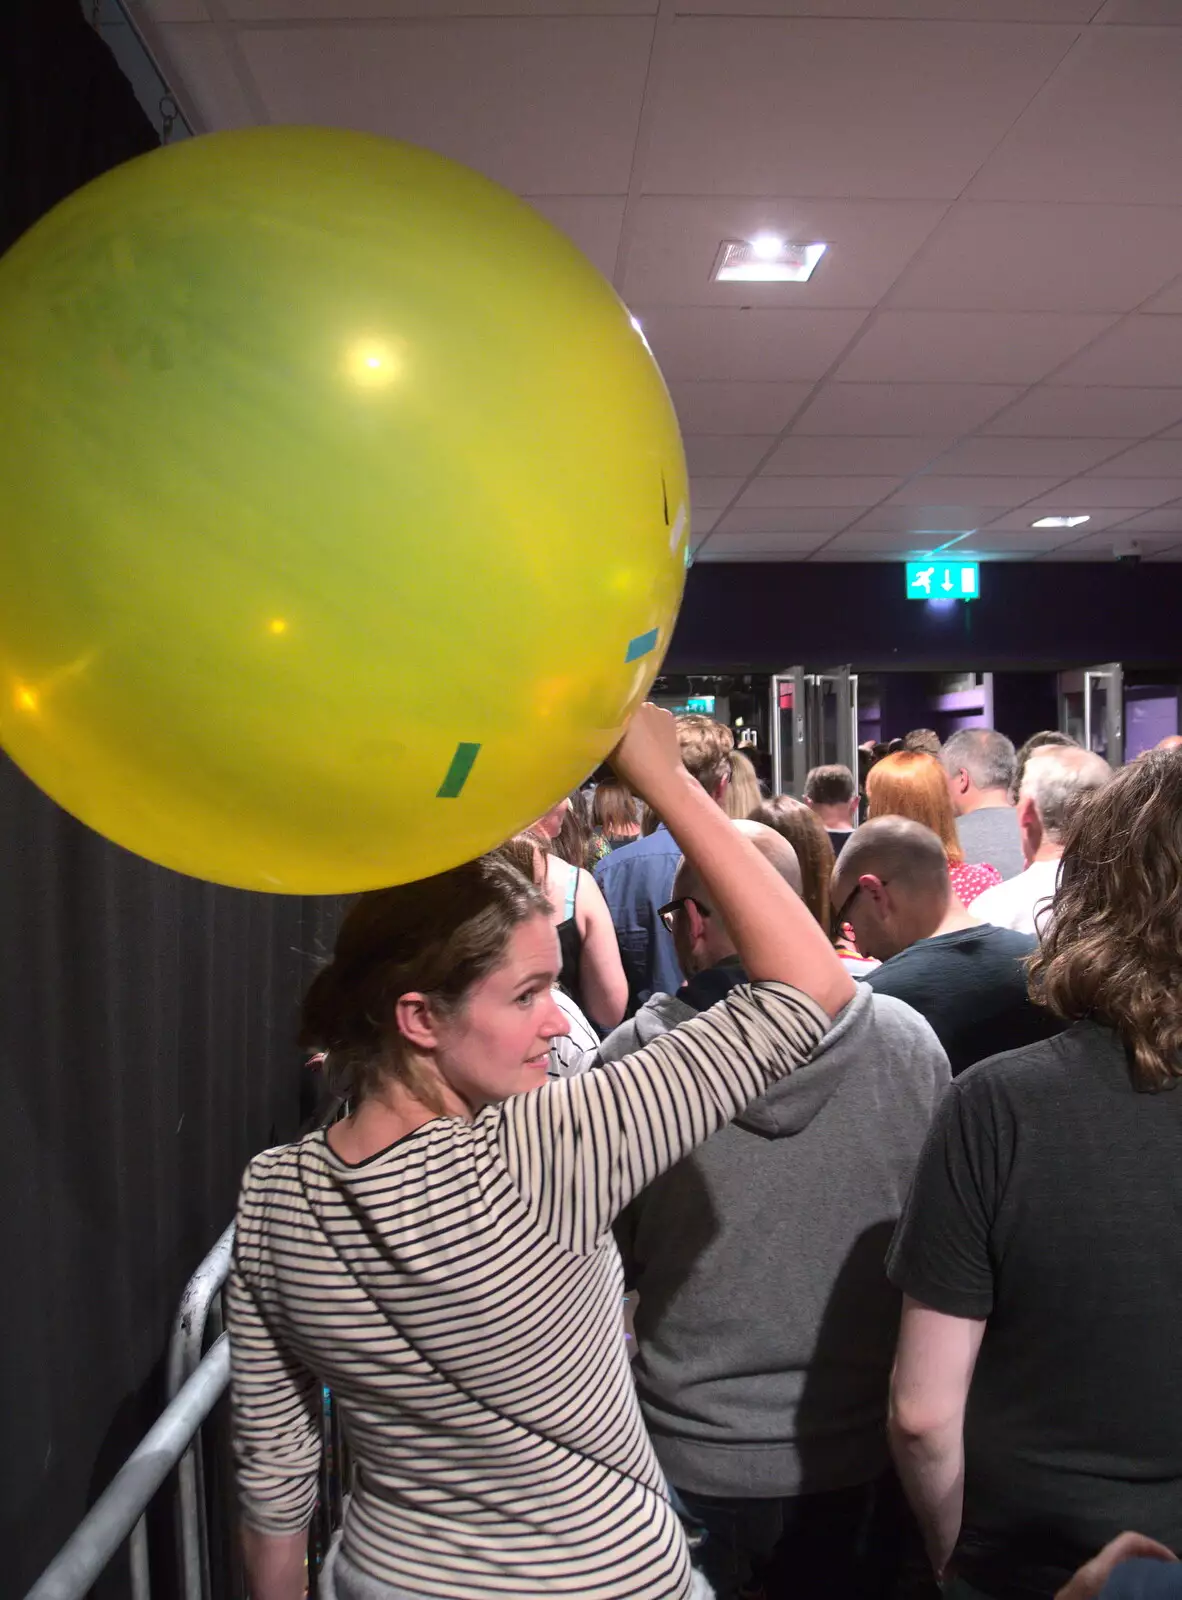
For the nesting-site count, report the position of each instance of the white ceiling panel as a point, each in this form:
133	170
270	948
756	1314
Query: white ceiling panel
1170	301
1044	258
546	105
714	455
1100	549
173	10
1051	412
734	407
767	106
590	221
809	453
941	346
753	542
206	68
791	519
845	491
930	520
1104	129
762	344
1012	458
1167	520
1020	521
354	10
903	409
1142	12
701	523
1082	494
869	542
933	488
675	241
711	494
1024	11
1157	458
1140	350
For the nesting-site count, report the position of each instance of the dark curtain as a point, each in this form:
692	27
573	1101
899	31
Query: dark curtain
146	1020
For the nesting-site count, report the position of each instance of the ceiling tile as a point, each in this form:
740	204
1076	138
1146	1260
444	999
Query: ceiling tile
712	455
1022	542
1055	458
1086	493
1105	128
766	541
1097	413
844	491
935	488
1140	350
197	58
791	519
174	10
903	409
1170	301
546	105
702	522
941	346
1167	520
1156	458
1141	12
1020	521
590	221
711	494
326	10
1024	11
735	407
713	552
675	241
852	454
1000	257
773	345
770	106
1101	549
929	520
874	543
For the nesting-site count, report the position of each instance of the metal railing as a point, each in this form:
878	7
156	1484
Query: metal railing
195	1383
119	1511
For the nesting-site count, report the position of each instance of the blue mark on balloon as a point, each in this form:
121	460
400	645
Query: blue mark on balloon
642	645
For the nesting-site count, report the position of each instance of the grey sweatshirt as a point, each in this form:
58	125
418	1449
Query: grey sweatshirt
766	1326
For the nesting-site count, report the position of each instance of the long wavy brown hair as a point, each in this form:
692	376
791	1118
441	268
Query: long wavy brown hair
911	783
1113	950
805	832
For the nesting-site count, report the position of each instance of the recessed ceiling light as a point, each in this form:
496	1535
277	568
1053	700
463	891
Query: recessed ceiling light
1059	522
765	259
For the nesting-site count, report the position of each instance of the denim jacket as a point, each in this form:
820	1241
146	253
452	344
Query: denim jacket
637	879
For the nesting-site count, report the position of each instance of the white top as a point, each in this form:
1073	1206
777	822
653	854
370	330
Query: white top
460	1292
1021	903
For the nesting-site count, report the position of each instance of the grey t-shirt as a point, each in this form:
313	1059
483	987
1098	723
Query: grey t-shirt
992	835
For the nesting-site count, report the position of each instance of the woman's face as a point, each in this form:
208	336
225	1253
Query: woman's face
550	826
499	1043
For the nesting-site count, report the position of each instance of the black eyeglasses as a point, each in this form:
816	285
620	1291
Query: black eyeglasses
667	913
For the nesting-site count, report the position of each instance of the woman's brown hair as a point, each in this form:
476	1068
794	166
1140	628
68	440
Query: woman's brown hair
910	783
805	832
741	795
1112	949
614	809
438	937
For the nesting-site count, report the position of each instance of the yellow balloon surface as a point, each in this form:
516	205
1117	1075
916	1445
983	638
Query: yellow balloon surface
343	510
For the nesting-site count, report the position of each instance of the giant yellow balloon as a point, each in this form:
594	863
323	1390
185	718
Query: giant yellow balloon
343	511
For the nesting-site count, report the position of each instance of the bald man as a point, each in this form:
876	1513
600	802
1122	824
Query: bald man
1057	781
966	977
1172	741
765	1324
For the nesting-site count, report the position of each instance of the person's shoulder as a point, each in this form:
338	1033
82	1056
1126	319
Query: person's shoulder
900	1024
1008	941
1039	1070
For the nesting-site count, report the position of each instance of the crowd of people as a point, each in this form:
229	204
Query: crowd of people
904	1319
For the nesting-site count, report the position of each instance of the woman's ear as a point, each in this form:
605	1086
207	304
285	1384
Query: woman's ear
415	1020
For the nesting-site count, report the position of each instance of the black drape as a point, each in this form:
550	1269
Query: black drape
146	1020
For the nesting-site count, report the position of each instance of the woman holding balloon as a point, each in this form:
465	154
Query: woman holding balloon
443	1258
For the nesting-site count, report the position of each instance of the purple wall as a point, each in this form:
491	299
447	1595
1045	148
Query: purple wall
755	616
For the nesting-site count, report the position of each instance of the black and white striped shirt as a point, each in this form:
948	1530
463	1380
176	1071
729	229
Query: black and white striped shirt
460	1292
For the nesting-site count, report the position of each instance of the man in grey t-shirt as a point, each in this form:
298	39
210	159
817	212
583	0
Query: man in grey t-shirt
979	765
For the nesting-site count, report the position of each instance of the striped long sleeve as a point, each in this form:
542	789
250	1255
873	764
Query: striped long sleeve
275	1411
580	1149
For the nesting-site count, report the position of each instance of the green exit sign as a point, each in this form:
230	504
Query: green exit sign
943	580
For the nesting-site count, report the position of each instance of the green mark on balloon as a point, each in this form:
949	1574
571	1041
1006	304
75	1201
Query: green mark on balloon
457	774
641	645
